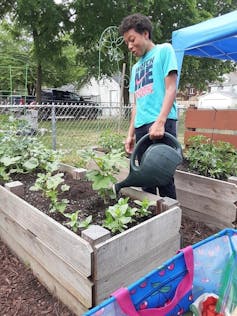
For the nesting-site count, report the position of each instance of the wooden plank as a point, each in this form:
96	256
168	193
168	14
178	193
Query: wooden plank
66	168
76	173
66	244
75	283
211	119
213	199
214	136
138	194
222	212
137	268
121	250
207	218
42	275
205	186
232	179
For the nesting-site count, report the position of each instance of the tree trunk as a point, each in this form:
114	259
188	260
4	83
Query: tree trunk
38	83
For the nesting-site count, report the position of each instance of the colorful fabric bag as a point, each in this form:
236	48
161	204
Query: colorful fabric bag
173	287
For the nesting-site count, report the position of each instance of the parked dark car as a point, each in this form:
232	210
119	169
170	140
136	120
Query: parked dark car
68	104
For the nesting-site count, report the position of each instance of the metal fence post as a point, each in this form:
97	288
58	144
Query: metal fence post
54	129
121	97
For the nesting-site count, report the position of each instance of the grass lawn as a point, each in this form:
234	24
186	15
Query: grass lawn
73	135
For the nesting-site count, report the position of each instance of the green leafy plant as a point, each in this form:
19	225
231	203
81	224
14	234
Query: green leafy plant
110	141
144	209
103	177
22	153
213	159
49	185
74	222
86	222
119	215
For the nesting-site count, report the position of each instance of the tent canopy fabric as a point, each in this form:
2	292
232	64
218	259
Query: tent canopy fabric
215	38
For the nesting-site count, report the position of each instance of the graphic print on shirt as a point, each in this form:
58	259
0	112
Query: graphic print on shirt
144	78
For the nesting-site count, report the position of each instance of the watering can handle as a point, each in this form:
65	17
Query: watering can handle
174	144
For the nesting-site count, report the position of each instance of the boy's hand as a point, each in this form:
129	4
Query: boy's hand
157	129
129	144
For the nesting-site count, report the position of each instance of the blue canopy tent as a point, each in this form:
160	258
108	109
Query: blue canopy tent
215	38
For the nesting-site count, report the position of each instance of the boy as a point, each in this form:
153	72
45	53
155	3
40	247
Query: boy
153	83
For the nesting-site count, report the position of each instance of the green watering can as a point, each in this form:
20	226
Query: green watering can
158	163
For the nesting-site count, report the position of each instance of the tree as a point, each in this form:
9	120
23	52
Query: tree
45	22
14	62
93	17
63	39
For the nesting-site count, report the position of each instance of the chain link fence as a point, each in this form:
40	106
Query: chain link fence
67	127
72	127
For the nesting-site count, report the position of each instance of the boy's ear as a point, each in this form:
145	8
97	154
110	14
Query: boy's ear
146	34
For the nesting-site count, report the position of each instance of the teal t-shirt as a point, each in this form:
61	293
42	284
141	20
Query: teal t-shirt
147	82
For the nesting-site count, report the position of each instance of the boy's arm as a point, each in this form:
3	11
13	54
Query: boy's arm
158	127
130	140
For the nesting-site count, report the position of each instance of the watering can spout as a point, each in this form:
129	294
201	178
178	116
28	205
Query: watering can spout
157	166
128	182
118	186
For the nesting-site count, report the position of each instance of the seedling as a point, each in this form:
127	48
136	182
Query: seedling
144	207
49	185
75	223
104	176
119	215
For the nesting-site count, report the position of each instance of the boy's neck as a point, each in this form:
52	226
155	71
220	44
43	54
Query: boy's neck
149	47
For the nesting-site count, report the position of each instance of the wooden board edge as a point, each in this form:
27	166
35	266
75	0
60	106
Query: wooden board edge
52	285
75	283
49	231
126	247
136	269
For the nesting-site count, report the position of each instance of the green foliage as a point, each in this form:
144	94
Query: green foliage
74	222
23	154
103	177
144	207
15	60
41	25
118	216
62	39
213	159
109	141
86	222
194	72
49	185
166	17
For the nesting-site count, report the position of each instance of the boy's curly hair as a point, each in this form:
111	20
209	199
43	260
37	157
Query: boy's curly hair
139	22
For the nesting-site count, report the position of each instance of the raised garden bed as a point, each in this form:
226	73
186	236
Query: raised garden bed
82	271
208	200
204	199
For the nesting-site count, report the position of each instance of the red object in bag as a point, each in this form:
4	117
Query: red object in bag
209	307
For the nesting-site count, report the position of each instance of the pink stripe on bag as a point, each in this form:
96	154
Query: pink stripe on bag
124	300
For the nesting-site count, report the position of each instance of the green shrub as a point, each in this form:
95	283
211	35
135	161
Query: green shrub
212	159
21	153
109	141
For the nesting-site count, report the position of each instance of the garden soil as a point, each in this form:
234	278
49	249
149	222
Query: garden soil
21	294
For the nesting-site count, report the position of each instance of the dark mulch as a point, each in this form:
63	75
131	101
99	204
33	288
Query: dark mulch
20	292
